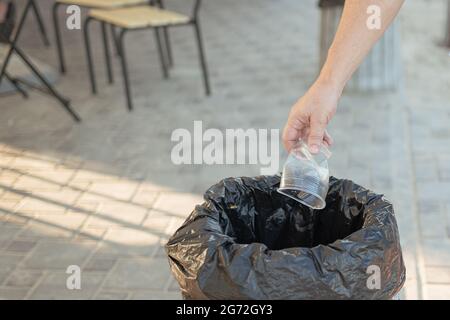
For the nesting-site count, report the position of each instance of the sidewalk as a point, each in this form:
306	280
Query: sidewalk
105	195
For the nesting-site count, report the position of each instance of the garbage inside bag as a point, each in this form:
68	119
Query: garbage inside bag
247	241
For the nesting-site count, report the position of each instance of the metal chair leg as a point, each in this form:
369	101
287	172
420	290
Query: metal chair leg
13	40
125	69
16	85
107	56
89	55
114	37
40	23
162	56
59	45
65	102
168	46
202	58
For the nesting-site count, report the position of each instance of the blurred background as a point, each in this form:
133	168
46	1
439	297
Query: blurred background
103	193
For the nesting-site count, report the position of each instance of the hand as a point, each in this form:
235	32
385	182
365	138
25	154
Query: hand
310	116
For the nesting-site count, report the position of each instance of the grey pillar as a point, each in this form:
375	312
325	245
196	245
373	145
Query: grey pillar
381	70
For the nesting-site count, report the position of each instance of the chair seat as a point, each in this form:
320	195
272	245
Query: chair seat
103	4
139	17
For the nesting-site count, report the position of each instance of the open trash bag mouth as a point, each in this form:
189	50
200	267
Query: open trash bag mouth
247	241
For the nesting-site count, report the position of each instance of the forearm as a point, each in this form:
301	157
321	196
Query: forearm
354	39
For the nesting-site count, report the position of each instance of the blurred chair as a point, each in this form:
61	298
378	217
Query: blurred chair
34	7
11	39
89	4
138	18
41	24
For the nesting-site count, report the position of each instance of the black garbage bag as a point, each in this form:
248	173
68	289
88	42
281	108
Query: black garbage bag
247	241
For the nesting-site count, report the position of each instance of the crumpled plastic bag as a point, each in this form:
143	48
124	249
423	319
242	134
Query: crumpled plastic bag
247	241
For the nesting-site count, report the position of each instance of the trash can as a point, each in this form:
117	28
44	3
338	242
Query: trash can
247	241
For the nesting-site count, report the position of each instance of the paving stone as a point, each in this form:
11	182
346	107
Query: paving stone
11	196
9	205
39	230
65	196
156	295
438	291
100	264
57	176
139	273
27	163
128	242
112	295
11	293
58	225
174	286
176	204
426	171
90	233
54	287
16	219
8	264
21	246
8	233
23	278
30	184
444	167
433	225
117	214
437	252
116	189
85	176
157	221
438	275
430	207
8	178
144	197
58	255
42	205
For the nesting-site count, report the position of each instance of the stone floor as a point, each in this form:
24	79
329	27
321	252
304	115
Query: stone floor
104	194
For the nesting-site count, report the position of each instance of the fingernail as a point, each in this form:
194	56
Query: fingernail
314	148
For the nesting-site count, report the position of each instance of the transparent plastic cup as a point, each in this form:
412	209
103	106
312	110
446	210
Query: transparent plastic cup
305	176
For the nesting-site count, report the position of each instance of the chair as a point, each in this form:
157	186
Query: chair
138	18
89	4
13	48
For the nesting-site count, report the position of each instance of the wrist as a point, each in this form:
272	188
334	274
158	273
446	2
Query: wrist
329	85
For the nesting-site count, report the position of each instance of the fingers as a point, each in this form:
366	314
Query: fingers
293	130
290	137
317	133
327	139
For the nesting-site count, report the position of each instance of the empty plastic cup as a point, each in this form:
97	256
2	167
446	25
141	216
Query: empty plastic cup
305	176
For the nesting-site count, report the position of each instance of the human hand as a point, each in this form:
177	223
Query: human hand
310	116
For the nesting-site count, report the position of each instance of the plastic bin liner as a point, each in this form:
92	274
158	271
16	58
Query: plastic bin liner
247	241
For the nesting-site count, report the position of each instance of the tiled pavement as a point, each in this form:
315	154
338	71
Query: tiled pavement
105	196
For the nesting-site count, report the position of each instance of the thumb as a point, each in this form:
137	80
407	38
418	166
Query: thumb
317	130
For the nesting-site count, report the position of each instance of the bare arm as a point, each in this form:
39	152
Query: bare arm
354	39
